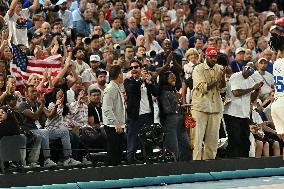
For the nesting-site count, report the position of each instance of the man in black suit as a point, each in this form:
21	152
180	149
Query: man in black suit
139	90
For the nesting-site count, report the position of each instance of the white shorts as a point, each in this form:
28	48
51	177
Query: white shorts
277	114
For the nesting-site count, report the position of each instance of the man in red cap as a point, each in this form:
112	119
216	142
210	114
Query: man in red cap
207	106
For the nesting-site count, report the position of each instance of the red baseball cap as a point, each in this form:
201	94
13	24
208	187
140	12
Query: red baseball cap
211	51
279	22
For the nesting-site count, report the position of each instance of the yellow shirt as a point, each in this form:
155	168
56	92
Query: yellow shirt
204	100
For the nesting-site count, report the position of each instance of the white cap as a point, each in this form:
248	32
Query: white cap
60	2
270	13
259	60
95	58
240	49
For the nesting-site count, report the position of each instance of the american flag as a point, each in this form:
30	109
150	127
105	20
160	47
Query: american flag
22	67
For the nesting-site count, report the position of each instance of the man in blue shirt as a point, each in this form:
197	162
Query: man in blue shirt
238	64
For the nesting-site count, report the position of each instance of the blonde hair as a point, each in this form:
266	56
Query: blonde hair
33	75
190	52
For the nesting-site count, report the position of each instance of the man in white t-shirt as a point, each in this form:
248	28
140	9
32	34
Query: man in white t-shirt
101	82
79	54
16	18
242	89
89	75
262	75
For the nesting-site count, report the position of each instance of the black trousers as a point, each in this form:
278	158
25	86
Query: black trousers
238	136
115	144
133	129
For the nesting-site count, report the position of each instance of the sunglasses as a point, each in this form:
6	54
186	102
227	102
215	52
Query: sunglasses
135	67
249	69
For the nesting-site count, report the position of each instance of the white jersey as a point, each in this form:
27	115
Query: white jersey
278	73
277	106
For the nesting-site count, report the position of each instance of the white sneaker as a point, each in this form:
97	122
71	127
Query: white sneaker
49	163
86	162
34	165
71	162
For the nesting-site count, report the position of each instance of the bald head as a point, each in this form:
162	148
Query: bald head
131	23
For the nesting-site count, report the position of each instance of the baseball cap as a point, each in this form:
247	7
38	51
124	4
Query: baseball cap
270	13
37	34
259	60
240	49
211	51
95	58
61	2
100	71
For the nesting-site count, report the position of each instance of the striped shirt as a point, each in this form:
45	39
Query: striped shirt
56	121
79	113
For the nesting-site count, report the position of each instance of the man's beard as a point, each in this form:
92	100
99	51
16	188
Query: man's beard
102	82
63	8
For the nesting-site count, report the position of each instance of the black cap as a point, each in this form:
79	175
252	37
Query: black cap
137	61
37	34
100	71
95	37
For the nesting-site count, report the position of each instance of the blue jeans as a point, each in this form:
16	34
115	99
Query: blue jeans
61	133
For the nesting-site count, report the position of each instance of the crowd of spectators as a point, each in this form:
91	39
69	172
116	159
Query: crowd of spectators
127	64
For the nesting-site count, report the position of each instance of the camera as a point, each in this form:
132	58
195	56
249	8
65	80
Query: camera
116	47
51	8
152	54
86	40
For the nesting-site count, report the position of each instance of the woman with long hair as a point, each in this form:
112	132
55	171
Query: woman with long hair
176	137
55	123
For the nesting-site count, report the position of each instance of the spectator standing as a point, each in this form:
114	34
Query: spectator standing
207	106
114	109
176	136
65	14
85	25
16	18
238	64
241	90
140	112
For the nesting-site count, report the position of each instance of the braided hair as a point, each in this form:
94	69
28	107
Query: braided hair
276	41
